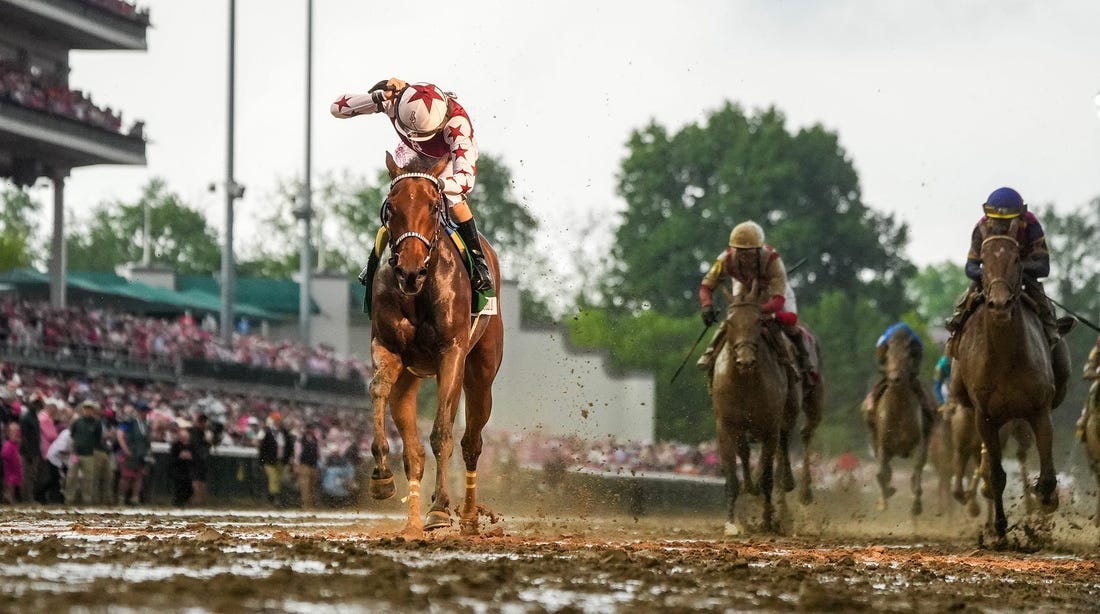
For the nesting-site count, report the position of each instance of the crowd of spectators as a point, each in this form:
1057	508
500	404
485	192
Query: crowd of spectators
107	334
126	9
52	95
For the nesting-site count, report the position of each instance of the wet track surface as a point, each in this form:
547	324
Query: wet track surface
227	561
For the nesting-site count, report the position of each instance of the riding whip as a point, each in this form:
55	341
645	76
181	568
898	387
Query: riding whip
690	352
1074	314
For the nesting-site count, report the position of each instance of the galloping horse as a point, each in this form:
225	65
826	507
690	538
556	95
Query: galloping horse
753	398
421	327
1003	369
899	429
1092	440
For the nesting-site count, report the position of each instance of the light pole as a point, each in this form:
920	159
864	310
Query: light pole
232	191
305	213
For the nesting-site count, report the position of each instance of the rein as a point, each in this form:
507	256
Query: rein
437	209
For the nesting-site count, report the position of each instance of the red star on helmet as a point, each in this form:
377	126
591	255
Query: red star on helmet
459	152
343	102
455	131
427	93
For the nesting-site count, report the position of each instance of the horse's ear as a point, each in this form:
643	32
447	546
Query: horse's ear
392	166
439	166
1014	227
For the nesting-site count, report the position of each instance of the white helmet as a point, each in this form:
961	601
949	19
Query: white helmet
422	109
747	235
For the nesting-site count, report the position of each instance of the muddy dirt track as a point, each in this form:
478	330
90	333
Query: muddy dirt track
131	560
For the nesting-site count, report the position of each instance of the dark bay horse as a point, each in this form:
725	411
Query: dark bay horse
898	427
753	399
421	327
1004	370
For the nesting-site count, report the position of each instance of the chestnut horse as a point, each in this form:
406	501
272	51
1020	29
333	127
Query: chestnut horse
899	429
1004	370
753	400
421	327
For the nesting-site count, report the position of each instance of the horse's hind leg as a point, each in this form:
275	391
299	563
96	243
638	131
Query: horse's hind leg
811	408
746	466
786	476
767	480
403	402
1023	442
915	479
388	369
1047	486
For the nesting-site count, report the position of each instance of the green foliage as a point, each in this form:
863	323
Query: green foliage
17	229
935	288
686	191
657	343
180	235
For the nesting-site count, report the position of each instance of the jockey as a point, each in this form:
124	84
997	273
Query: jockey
1092	373
1003	206
430	123
745	261
940	377
916	348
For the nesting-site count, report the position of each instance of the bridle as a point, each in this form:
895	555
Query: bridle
753	344
437	211
1013	292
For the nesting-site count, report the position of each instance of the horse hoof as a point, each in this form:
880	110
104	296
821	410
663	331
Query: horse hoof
917	508
973	509
382	488
882	505
1050	504
959	496
750	488
806	496
437	519
733	529
888	492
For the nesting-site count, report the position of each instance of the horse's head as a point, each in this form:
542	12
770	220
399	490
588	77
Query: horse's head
1002	273
743	321
899	360
413	210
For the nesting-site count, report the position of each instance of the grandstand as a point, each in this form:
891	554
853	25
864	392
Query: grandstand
47	125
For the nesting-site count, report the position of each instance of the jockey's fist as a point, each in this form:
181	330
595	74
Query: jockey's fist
395	85
710	316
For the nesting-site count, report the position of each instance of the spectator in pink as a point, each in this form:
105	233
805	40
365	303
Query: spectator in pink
12	464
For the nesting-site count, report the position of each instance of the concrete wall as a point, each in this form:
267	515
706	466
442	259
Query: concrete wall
544	383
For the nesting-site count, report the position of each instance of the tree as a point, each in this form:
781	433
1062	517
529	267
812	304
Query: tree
180	236
17	229
934	290
685	191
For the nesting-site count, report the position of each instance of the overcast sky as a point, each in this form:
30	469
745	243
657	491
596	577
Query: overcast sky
937	102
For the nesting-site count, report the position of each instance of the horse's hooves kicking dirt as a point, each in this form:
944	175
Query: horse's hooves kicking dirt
733	529
437	520
382	488
806	496
917	508
1050	505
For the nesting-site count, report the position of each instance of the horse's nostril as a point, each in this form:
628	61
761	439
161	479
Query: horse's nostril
422	273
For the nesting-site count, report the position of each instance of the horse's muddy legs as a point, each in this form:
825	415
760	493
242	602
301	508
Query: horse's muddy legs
915	479
389	368
403	404
885	476
1047	486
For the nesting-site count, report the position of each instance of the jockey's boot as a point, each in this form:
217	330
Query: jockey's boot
706	361
1045	310
963	307
480	278
366	276
802	358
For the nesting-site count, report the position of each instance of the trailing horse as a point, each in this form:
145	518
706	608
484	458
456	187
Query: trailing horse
1004	370
754	399
898	427
966	455
421	327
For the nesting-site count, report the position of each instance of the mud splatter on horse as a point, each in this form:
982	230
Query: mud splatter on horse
421	327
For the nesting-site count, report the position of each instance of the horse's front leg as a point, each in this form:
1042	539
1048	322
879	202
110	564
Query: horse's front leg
994	471
442	437
1047	486
915	479
403	404
387	368
481	368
